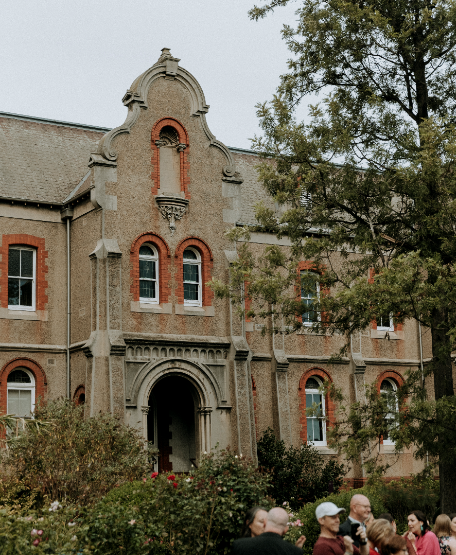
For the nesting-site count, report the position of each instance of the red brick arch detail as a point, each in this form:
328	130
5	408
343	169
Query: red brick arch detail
80	390
35	369
329	403
206	268
164	270
389	374
184	163
41	268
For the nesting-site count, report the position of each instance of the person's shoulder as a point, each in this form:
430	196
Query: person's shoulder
346	525
323	546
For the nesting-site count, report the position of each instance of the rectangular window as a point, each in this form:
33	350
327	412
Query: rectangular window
20	402
21	278
310	292
192	277
385	322
315	423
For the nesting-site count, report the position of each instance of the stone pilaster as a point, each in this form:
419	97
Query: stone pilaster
280	362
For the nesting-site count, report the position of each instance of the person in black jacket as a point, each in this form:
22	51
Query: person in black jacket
270	542
360	509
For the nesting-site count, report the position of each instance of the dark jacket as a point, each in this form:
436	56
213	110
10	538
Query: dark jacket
345	530
267	543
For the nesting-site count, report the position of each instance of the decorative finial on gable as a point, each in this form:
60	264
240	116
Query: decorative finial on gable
170	61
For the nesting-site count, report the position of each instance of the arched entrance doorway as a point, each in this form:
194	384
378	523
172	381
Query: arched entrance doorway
172	423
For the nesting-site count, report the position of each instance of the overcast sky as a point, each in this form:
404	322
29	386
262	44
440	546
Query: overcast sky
74	60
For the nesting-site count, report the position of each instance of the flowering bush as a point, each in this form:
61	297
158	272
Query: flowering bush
71	458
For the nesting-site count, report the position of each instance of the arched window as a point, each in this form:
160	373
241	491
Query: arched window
192	277
388	389
21	392
21	278
148	274
316	424
310	293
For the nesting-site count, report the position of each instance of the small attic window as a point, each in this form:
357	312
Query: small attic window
169	136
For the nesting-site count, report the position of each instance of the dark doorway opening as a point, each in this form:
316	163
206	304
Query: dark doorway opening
171	423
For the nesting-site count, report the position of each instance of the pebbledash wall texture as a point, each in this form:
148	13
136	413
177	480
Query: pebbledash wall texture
138	214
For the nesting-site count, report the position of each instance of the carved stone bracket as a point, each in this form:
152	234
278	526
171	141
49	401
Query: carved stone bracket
172	209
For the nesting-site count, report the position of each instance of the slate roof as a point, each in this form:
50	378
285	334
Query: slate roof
43	160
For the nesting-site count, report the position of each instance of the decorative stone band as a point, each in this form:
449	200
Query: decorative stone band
172	209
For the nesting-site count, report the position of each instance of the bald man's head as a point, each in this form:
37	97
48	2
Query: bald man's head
277	521
360	507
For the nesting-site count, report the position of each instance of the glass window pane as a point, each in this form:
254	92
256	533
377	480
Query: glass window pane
191	272
19	376
19	402
26	263
147	269
190	255
146	251
13	401
26	292
312	384
147	289
14	262
190	292
13	291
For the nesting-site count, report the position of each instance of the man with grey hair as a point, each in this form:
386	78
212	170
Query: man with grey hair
360	509
270	542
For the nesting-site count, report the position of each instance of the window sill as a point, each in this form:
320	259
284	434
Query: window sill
37	315
325	450
382	334
194	310
164	308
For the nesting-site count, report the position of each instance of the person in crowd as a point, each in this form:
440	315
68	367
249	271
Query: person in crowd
369	520
360	509
255	521
423	541
390	519
377	532
453	524
270	542
442	529
329	541
394	545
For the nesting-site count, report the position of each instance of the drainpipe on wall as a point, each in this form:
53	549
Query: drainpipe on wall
67	215
422	373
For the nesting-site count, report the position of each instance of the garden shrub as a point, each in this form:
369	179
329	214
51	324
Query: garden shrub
309	524
73	458
299	475
199	513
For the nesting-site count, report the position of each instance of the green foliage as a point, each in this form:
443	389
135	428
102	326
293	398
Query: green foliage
376	158
299	475
310	527
199	513
73	458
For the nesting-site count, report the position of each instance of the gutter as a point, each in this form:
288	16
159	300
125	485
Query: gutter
67	215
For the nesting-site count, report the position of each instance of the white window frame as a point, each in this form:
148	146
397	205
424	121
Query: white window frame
155	259
14	386
196	262
307	322
18	306
323	411
305	199
387	417
381	327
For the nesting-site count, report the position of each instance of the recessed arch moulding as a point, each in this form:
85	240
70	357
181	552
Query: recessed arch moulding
213	411
137	100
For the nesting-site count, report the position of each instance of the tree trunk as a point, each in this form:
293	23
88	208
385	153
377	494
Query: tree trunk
443	387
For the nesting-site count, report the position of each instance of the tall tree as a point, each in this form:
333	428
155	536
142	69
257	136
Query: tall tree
368	189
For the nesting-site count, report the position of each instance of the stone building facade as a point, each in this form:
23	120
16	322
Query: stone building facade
107	241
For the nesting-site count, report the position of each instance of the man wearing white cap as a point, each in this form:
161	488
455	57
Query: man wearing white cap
329	542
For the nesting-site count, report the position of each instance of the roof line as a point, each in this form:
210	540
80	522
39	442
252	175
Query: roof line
243	150
54	122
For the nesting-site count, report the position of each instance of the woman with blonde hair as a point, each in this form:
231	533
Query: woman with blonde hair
442	529
377	532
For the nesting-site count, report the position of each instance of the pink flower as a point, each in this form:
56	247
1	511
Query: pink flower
132	522
154	475
34	532
36	542
144	479
40	532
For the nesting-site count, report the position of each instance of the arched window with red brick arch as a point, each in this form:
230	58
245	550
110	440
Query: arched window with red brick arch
22	384
23	272
170	165
313	426
150	269
194	266
387	384
79	396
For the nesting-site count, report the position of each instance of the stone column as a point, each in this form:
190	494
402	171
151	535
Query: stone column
283	401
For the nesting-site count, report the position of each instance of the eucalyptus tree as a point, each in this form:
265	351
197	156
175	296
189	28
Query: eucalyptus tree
367	189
